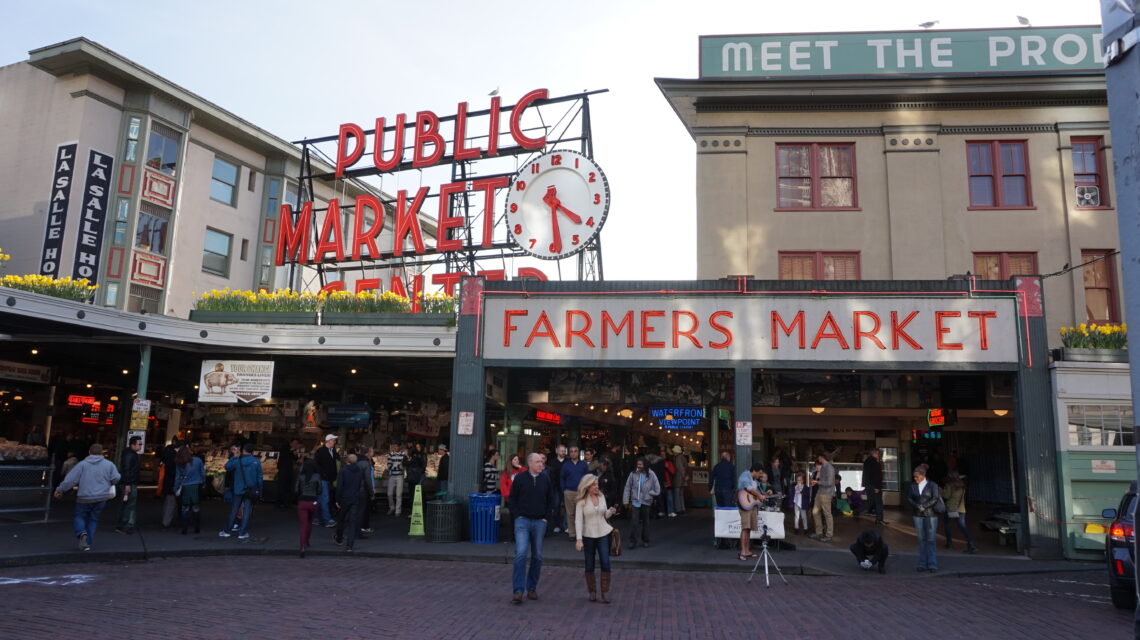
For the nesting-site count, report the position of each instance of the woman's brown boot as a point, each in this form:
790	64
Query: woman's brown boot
592	585
606	587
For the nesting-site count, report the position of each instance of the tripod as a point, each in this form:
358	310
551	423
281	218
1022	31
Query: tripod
766	557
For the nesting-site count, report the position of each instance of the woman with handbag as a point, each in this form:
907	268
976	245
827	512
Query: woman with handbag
926	503
308	493
593	533
189	477
954	496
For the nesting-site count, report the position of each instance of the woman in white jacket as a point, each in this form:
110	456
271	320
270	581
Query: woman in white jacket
593	533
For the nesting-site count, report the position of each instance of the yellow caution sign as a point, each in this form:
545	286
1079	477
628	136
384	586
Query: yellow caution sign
417	528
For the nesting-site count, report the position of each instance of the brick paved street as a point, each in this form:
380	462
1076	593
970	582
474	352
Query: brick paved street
280	597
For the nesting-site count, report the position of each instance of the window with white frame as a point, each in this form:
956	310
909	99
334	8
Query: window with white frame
1100	425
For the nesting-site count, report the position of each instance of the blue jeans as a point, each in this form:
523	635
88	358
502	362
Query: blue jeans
528	539
600	546
87	518
323	503
947	529
926	528
246	505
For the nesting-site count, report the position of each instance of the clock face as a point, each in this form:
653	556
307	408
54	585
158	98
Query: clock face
557	204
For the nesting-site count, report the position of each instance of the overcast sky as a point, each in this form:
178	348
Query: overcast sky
300	69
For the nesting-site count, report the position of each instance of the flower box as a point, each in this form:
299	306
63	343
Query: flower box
255	317
1070	354
394	319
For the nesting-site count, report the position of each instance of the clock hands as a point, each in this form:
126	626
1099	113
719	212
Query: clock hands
551	200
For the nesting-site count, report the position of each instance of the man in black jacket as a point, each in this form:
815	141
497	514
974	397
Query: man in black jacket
327	459
870	550
286	476
532	503
353	492
873	483
129	485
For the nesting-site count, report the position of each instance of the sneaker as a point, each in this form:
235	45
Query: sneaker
825	539
814	536
348	549
83	546
122	531
532	595
235	527
672	515
244	536
516	599
338	539
557	529
971	549
223	534
368	530
329	525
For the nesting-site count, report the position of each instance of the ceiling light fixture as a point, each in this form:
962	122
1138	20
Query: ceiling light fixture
818	409
1001	412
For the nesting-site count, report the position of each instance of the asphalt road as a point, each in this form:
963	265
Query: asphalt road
334	598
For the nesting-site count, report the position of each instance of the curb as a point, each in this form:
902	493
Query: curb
76	557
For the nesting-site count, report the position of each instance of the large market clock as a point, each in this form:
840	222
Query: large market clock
557	203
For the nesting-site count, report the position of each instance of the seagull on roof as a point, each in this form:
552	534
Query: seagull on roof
928	24
1023	21
495	92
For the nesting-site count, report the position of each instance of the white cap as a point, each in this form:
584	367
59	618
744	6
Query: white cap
331	436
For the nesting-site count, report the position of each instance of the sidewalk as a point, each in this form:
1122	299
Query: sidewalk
679	544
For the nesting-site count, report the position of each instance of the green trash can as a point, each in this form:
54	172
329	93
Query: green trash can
443	521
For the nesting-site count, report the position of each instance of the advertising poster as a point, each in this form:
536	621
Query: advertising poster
235	381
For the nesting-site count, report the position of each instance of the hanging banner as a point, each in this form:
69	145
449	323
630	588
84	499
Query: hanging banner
235	381
96	191
57	209
24	372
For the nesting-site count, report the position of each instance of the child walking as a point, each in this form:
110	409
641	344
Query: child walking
801	502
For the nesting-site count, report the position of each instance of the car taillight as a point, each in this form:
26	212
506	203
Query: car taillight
1119	567
1120	532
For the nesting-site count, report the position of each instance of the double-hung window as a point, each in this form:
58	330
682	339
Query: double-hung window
816	176
819	265
998	175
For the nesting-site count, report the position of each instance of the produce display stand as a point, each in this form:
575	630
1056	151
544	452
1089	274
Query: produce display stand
25	488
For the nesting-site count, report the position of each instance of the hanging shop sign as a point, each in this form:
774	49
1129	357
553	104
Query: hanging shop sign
235	381
348	416
904	53
548	417
21	372
557	203
56	222
855	330
678	416
96	191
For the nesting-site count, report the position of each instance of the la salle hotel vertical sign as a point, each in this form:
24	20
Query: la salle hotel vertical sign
96	191
56	222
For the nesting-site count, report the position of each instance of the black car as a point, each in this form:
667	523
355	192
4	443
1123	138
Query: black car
1119	551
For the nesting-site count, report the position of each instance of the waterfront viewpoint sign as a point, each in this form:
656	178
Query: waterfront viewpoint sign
677	329
904	53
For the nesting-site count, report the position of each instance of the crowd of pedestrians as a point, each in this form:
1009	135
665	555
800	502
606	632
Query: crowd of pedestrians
569	490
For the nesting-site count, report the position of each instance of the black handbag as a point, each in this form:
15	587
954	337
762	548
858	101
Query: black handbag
251	492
